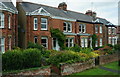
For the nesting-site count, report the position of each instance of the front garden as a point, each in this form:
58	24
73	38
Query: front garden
64	62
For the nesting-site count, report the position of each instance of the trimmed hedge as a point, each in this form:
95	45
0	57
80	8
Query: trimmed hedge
20	59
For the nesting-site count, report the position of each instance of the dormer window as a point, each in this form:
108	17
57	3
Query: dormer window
82	28
67	27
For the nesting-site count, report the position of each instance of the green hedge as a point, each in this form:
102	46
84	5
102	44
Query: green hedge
20	59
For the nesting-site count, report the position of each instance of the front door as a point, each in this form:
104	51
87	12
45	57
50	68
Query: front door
55	44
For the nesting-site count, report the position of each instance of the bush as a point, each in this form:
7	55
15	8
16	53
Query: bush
12	60
32	58
76	48
20	59
117	47
64	57
35	45
110	45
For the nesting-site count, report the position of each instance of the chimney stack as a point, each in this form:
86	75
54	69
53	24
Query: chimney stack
91	13
63	6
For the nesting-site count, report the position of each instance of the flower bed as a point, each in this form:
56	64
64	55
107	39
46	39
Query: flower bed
67	69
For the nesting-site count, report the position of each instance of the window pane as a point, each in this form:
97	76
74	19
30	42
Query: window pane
54	42
69	27
43	26
35	24
35	39
64	26
2	47
43	20
80	27
44	41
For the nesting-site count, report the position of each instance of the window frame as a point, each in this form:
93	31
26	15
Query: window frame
81	27
2	45
46	41
9	22
35	37
2	20
84	42
67	26
70	43
101	42
96	28
35	23
101	27
46	24
96	43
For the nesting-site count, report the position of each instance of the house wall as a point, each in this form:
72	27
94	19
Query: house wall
12	32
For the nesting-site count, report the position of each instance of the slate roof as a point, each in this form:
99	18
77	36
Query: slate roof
30	7
106	22
10	5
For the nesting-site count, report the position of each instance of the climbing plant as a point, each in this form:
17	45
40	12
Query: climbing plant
56	33
94	39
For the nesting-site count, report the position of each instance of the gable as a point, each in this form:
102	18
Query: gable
41	11
4	7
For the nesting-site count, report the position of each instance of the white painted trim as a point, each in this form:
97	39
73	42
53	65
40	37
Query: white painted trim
44	23
62	18
35	23
39	11
7	9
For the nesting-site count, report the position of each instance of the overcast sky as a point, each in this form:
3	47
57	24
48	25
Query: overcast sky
107	9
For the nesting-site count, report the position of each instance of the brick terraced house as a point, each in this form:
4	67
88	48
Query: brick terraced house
35	21
8	26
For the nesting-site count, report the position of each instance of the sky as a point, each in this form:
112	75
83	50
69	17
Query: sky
107	9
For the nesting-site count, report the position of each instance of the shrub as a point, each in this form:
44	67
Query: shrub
117	47
32	58
64	57
86	50
20	59
35	45
12	60
110	45
76	48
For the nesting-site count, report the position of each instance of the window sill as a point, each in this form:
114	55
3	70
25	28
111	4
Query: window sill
35	30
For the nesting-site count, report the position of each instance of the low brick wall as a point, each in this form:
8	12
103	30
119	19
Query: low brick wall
66	69
108	58
44	72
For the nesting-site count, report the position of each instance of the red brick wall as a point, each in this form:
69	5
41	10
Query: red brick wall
52	23
12	32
